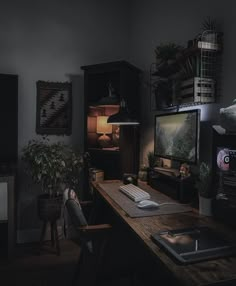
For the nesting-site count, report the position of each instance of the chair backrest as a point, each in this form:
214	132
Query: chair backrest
73	214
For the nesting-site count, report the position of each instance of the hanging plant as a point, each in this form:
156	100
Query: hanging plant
165	52
209	24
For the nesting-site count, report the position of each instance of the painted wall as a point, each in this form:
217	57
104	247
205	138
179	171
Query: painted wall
50	41
154	22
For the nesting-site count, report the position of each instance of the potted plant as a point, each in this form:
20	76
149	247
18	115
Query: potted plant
51	166
142	174
209	24
167	52
204	189
151	159
166	64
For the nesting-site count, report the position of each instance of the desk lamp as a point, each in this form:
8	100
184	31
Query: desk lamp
122	117
103	128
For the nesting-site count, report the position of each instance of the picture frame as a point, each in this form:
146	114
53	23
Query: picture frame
54	108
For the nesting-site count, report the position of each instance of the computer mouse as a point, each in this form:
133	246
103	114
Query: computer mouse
147	204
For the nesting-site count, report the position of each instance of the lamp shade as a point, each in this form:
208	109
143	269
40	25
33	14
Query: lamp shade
102	126
122	117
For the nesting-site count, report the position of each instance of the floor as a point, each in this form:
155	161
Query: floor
28	268
31	268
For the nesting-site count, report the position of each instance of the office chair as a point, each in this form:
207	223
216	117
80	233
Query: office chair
92	239
106	255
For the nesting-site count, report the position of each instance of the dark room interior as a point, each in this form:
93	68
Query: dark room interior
118	143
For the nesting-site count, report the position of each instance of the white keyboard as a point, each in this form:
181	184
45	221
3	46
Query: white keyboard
134	193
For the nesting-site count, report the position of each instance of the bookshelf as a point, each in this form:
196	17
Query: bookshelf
192	78
104	86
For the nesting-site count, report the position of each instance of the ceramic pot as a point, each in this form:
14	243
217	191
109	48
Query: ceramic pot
49	208
142	175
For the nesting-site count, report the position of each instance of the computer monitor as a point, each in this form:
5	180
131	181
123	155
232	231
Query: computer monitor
177	136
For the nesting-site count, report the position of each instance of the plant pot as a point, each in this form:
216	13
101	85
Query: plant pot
149	174
49	208
205	206
142	175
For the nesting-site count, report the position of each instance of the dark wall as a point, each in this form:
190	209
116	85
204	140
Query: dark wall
179	21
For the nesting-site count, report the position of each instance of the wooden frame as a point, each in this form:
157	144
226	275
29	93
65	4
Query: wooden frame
54	108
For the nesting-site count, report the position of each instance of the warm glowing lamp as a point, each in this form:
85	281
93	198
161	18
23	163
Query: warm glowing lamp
103	128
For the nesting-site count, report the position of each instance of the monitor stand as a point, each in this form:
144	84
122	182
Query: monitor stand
167	181
170	171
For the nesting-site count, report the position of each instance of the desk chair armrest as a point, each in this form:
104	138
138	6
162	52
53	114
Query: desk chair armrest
93	231
95	227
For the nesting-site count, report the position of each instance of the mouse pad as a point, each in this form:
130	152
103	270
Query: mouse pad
130	207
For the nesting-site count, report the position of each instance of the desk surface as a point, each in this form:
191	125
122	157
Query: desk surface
202	273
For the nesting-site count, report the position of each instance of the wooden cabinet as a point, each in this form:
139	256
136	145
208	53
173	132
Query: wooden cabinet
8	123
7	216
104	86
8	161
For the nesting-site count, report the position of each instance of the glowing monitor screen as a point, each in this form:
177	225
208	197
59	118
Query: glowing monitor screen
177	136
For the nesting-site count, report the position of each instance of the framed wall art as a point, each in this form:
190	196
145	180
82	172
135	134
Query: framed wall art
54	108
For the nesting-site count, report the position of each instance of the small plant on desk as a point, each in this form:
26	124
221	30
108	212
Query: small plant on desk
184	170
205	189
204	181
151	159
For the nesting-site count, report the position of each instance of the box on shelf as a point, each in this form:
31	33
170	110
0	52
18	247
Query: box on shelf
208	46
197	89
96	175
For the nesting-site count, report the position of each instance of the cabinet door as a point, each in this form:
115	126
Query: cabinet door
8	118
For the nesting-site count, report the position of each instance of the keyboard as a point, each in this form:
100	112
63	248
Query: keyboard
134	193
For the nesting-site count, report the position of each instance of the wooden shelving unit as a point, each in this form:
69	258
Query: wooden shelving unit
192	78
104	86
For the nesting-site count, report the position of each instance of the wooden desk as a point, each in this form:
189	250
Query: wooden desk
203	273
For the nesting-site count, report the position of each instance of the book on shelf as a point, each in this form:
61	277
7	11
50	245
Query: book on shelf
208	46
197	89
111	148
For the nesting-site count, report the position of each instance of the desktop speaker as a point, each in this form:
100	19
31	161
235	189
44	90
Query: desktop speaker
130	179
